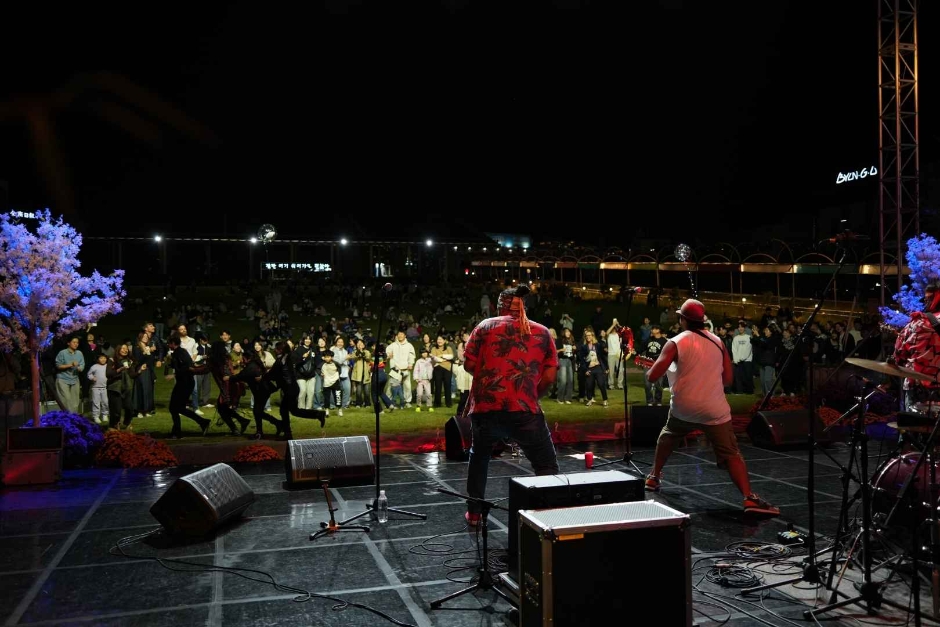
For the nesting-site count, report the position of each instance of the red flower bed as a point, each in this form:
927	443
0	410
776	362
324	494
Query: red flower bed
256	453
781	403
123	448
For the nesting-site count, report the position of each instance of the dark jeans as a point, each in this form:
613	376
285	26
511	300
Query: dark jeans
180	398
441	383
529	430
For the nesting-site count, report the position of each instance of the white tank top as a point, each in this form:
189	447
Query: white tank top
698	394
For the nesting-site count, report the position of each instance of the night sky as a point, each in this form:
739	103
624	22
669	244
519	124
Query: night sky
622	117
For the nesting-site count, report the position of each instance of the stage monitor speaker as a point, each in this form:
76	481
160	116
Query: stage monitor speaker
458	435
646	423
337	460
199	502
585	565
579	488
783	429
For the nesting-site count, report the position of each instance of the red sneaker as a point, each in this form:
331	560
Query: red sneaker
754	504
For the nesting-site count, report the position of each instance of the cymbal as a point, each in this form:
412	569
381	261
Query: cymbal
890	369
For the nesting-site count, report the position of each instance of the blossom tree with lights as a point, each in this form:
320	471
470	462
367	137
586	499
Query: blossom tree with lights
42	294
923	259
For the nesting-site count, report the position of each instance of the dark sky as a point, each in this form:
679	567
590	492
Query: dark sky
614	115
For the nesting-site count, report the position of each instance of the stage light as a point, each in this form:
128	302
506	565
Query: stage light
469	248
429	243
484	249
344	241
267	233
253	240
455	248
157	238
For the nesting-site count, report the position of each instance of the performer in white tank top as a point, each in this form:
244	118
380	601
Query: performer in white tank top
698	368
698	394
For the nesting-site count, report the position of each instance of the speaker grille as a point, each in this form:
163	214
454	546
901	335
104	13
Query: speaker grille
327	459
640	514
195	504
222	488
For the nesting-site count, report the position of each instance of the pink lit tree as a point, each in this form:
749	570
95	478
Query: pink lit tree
42	294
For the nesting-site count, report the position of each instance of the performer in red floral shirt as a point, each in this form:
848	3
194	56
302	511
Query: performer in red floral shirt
918	348
513	362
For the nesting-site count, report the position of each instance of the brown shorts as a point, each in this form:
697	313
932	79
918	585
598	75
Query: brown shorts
721	437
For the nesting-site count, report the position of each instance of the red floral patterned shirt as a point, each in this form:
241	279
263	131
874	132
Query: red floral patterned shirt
506	366
918	348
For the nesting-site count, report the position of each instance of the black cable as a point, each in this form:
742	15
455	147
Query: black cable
302	595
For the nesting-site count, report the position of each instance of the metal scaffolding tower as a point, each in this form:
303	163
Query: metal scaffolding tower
898	123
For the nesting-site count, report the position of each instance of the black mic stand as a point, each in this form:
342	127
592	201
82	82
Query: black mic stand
810	572
377	406
332	526
627	410
486	580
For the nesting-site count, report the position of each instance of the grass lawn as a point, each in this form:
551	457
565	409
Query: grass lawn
362	421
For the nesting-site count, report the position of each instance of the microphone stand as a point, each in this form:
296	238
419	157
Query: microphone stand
377	407
810	572
486	580
627	411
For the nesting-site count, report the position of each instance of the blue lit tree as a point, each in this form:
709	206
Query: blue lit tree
923	259
42	294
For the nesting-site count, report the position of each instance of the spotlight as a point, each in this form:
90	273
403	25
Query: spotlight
157	238
455	248
344	241
429	243
253	240
267	233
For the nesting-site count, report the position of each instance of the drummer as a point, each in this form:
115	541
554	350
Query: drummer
918	348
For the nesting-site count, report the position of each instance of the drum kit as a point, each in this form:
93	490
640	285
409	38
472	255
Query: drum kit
901	496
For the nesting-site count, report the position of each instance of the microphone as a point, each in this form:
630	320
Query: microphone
847	236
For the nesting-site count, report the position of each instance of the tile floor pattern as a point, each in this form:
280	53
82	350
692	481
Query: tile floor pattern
55	566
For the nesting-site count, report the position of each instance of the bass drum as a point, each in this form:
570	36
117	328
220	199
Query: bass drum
890	478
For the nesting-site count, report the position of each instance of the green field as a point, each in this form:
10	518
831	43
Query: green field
362	421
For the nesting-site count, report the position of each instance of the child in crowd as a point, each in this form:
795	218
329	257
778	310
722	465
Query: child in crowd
331	386
98	375
394	380
423	372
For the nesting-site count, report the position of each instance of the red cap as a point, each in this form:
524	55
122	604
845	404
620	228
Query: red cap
692	310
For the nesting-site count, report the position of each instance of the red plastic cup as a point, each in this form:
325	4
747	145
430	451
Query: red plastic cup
589	460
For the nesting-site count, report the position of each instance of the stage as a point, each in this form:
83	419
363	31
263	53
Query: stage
57	570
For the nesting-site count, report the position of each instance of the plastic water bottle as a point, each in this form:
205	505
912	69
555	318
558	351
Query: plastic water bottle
382	507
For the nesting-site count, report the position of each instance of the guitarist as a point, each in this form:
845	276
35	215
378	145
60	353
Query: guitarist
654	348
698	365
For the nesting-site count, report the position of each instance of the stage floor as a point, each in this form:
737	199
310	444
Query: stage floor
55	566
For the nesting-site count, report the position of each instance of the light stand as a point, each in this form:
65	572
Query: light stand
626	340
810	572
486	580
377	407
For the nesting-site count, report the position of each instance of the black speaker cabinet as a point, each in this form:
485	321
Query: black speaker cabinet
782	429
34	439
199	502
551	491
586	565
337	460
646	423
457	438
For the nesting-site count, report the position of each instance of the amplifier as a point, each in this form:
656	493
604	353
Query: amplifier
580	488
29	467
34	439
584	565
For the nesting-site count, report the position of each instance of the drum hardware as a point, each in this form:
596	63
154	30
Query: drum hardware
889	368
810	571
870	591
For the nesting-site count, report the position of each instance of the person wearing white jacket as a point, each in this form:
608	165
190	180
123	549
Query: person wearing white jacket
743	354
401	355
